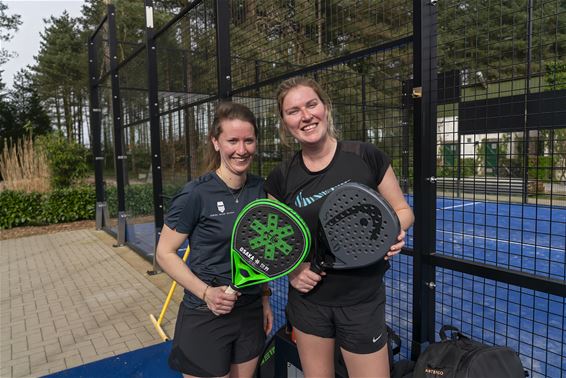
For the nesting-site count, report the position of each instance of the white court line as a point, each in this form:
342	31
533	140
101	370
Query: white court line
501	240
455	206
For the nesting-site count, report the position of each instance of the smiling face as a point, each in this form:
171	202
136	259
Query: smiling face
236	145
305	115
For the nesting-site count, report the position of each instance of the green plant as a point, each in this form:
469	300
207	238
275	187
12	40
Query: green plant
555	75
19	208
540	168
139	200
467	169
69	204
61	205
67	160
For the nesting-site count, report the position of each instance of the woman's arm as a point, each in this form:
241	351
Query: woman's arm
168	259
390	190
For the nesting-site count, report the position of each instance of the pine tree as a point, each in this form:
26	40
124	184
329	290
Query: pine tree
9	24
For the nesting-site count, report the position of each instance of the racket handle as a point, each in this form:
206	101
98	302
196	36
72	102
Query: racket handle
230	290
316	266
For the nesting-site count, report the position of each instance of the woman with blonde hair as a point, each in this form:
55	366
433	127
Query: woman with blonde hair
343	307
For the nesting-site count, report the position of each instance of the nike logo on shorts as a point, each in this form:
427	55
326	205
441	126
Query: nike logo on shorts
375	339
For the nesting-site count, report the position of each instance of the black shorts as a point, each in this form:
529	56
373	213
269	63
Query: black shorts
205	345
358	328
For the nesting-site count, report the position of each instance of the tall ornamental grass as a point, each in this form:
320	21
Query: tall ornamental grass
24	167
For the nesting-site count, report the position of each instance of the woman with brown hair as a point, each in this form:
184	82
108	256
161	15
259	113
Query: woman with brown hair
217	334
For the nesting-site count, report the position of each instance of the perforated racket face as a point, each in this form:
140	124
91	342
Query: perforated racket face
271	239
359	226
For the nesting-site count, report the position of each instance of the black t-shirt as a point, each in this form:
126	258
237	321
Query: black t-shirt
305	191
206	210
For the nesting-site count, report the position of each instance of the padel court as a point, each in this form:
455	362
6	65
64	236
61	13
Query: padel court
531	238
468	101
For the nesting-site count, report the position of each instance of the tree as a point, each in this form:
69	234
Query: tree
61	75
9	24
492	37
30	114
7	119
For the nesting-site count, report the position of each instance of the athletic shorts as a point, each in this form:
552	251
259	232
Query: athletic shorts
358	328
205	345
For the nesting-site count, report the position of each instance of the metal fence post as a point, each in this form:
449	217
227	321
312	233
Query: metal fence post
95	122
119	156
153	100
424	94
223	58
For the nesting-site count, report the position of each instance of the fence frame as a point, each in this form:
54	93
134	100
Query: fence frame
419	96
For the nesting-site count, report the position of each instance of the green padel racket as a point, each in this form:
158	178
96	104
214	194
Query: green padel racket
269	240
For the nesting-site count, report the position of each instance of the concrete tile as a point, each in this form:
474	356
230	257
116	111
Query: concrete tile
5	371
52	349
87	351
79	306
37	359
21	370
73	361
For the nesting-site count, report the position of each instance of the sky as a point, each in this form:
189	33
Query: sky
26	39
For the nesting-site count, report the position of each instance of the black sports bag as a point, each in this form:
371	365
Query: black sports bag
460	357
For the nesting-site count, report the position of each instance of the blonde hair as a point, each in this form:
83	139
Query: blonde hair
225	110
298	81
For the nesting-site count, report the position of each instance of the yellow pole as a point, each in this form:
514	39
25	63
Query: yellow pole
157	322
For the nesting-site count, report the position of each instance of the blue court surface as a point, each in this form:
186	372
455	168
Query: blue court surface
146	362
522	237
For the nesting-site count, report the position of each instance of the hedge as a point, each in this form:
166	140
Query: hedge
67	205
59	206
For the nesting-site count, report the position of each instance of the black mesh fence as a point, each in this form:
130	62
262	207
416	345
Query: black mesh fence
498	118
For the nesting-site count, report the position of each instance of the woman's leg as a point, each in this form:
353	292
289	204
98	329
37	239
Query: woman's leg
244	369
316	353
367	365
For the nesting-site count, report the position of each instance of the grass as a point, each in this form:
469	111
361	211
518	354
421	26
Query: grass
24	166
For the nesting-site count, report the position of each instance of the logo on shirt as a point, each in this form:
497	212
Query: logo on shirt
301	201
220	206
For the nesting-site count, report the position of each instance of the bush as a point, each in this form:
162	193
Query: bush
71	204
32	209
540	168
67	160
467	169
19	209
139	200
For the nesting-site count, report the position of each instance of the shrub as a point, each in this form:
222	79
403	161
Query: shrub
70	204
31	209
139	200
67	160
19	209
540	168
467	169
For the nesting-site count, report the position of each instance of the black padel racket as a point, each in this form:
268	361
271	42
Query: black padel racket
269	240
356	228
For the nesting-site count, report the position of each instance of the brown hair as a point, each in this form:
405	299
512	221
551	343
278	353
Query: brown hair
226	110
294	82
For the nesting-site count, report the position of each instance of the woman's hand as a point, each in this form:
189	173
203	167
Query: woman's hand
396	248
219	302
267	315
303	279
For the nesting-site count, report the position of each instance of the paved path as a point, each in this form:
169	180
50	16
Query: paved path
71	298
